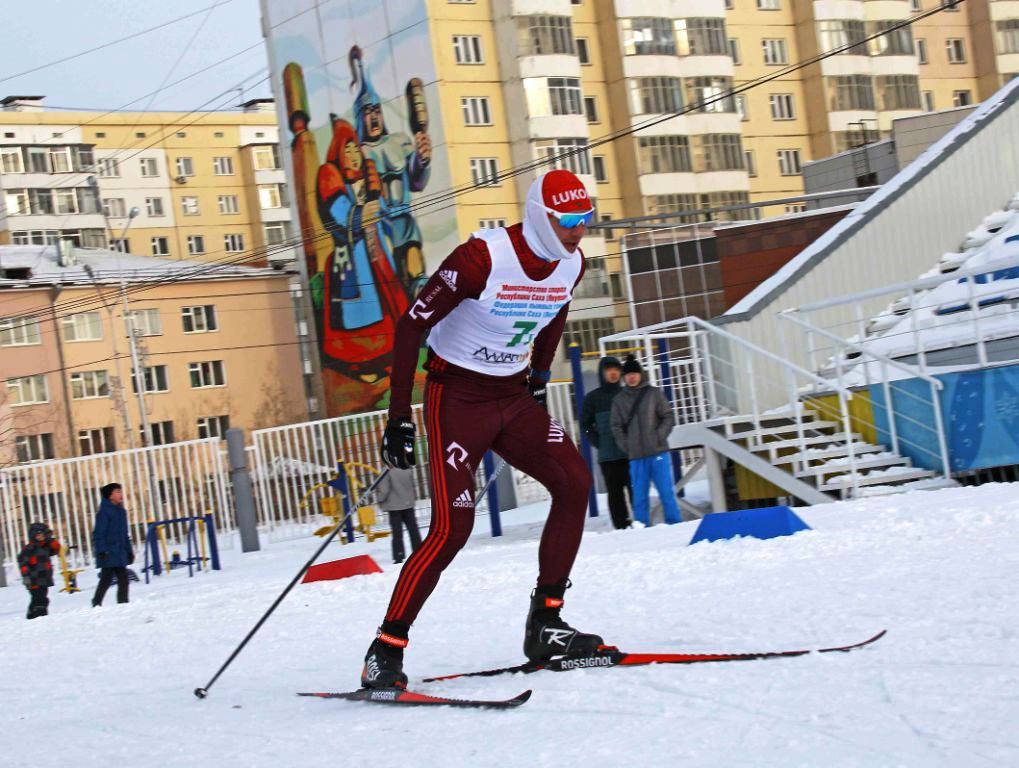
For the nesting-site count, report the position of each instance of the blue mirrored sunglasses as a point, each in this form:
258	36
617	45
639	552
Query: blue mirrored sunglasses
571	220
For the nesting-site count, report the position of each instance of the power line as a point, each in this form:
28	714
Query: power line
111	43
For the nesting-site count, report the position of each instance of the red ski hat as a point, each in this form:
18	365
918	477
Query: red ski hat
562	191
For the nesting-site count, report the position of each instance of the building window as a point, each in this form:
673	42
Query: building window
583	53
928	101
915	6
162	433
921	50
796	208
701	37
961	98
898	42
710	94
734	52
600	174
850	92
671	203
144	322
663	154
11	160
950	5
467	49
1007	34
92	441
491	223
66	201
718	152
740	99
213	426
196	245
266	158
208	374
154	206
223	166
189	206
108	168
34	447
648	35
38	160
28	390
17	202
485	171
768	5
956	48
270	196
83	326
89	384
570	154
114	207
121	245
19	332
564	96
160	246
185	166
609	234
476	110
149	167
60	160
228	204
899	92
789	162
750	162
586	333
591	109
275	234
774	51
542	34
233	243
200	319
656	95
154	379
845	35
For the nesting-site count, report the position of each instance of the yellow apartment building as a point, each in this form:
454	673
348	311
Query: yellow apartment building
206	186
214	350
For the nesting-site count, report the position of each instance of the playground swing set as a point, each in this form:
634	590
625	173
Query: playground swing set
334	507
202	547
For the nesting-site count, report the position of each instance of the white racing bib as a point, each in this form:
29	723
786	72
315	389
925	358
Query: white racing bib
493	334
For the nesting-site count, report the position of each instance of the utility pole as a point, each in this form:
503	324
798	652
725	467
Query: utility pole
117	393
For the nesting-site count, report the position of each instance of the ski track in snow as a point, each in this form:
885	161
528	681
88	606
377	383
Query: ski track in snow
938	569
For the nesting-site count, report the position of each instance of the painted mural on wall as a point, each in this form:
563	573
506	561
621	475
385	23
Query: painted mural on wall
356	95
981	416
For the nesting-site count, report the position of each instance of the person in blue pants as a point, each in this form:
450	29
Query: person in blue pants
641	422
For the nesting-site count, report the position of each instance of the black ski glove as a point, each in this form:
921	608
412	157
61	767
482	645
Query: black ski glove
398	444
539	391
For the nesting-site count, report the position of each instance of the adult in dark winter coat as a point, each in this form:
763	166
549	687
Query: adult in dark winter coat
596	421
641	422
111	542
396	495
36	568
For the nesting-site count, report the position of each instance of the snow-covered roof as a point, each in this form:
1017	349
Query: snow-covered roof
44	268
817	251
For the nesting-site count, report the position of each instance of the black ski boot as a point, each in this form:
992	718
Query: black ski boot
383	664
546	634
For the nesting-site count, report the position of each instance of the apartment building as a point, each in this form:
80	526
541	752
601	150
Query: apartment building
213	351
205	186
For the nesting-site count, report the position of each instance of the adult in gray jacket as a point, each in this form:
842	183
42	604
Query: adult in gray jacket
396	496
641	422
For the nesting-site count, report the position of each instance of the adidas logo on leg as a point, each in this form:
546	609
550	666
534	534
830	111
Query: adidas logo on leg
464	500
449	278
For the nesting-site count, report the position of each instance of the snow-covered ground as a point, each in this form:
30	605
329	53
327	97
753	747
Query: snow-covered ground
938	569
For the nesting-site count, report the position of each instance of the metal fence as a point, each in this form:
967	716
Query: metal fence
160	483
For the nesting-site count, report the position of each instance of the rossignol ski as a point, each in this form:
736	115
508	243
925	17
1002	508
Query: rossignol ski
412	698
610	656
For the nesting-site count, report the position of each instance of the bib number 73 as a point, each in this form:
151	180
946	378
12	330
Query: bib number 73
525	333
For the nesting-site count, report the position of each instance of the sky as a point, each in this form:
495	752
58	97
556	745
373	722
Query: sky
47	30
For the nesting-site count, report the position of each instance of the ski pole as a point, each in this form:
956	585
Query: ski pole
201	693
488	483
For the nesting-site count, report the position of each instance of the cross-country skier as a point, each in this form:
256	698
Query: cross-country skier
495	309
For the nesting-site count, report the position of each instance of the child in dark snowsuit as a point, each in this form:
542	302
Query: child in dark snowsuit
36	568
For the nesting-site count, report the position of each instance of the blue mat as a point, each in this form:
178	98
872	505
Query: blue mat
764	523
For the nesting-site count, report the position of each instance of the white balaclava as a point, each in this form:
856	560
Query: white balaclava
562	191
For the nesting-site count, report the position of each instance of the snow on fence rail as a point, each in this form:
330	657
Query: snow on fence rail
160	483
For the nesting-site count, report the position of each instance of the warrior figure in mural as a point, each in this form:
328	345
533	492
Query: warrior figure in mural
403	166
361	293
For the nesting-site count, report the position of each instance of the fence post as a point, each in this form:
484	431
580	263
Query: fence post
493	495
3	569
585	447
244	496
662	350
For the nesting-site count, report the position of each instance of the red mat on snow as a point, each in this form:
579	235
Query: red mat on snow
341	569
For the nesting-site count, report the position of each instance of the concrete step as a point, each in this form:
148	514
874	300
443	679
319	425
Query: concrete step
819	427
835	451
840	465
778	445
880	477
